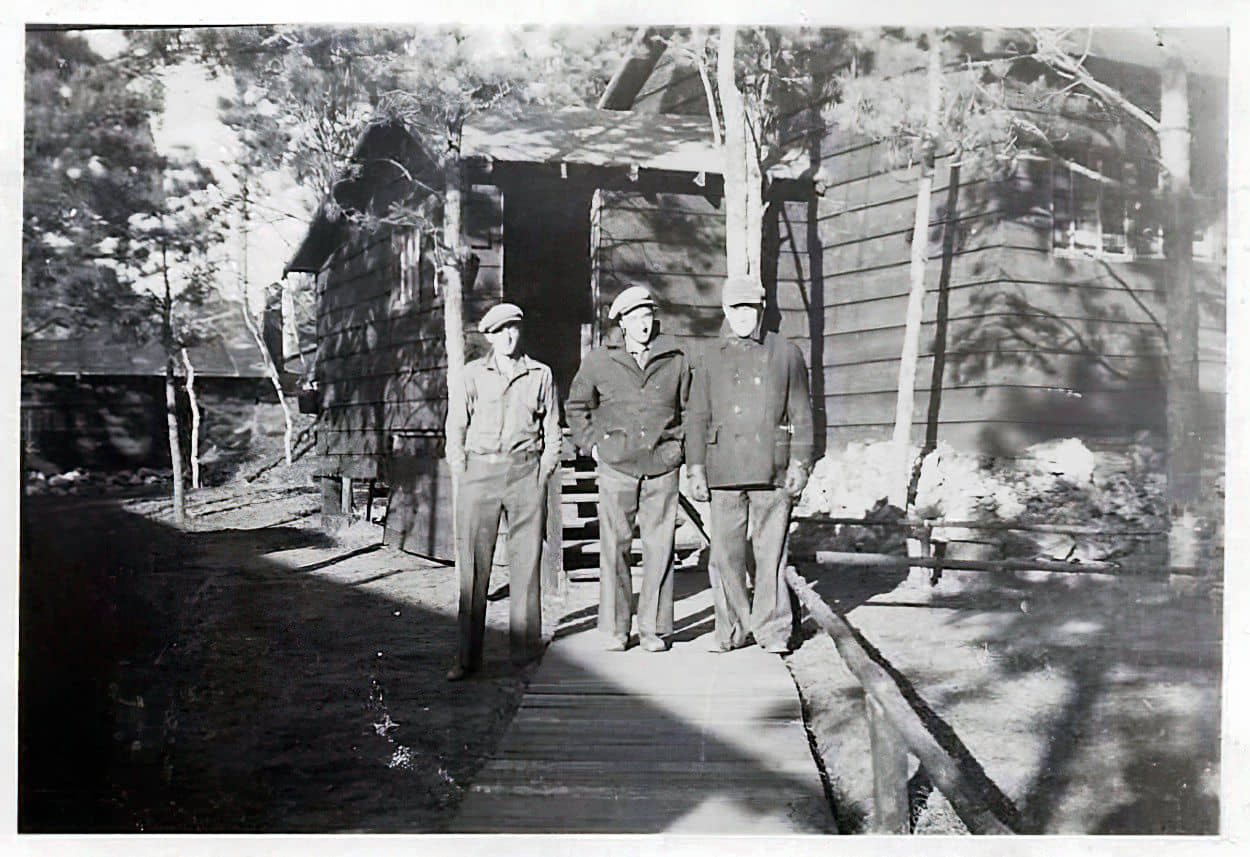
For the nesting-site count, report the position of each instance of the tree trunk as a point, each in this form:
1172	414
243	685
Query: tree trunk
171	396
271	371
195	419
453	301
941	322
737	252
1184	431
905	404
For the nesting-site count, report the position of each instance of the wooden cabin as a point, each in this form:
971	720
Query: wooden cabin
96	401
1051	278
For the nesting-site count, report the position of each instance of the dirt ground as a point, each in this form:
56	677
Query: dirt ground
1091	703
242	676
251	674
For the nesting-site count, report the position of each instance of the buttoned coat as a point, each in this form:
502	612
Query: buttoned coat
636	416
750	413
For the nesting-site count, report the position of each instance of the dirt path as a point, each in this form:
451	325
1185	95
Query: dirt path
241	679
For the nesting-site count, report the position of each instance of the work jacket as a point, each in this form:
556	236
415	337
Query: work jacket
502	414
750	413
634	415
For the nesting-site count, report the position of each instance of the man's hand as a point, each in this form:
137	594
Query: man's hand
796	478
697	475
457	464
594	452
545	471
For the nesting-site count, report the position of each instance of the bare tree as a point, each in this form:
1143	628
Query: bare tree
193	400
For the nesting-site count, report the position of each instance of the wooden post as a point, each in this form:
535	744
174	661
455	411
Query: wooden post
331	503
1184	438
889	772
453	301
345	497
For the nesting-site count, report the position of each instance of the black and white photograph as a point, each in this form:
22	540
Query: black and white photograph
728	427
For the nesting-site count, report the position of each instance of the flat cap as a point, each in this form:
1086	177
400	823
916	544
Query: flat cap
499	315
629	300
742	290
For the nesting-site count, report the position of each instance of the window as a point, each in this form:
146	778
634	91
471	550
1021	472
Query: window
1108	205
414	283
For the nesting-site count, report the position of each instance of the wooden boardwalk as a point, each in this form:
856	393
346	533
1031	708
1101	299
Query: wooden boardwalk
636	742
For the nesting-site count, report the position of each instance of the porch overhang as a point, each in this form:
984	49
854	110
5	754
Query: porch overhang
611	149
608	149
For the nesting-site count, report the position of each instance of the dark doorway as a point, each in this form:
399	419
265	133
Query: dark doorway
546	270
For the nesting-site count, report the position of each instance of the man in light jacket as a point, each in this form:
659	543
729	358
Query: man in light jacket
748	449
626	408
503	445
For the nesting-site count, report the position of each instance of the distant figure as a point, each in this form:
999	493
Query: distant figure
749	446
503	446
626	407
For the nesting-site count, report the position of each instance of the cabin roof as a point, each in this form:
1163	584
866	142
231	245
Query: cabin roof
100	352
616	140
598	138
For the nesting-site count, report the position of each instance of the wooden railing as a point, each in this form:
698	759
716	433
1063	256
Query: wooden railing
896	729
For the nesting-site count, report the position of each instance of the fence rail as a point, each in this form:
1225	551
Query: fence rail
896	729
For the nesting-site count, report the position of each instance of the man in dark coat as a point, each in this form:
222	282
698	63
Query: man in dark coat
502	446
748	450
626	408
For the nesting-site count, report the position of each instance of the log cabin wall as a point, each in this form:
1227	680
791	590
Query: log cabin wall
381	364
1042	341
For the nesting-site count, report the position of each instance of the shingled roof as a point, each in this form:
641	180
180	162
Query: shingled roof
101	352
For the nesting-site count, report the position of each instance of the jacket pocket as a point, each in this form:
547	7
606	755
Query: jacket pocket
612	445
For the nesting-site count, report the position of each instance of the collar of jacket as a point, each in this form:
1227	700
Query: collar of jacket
659	346
727	336
524	363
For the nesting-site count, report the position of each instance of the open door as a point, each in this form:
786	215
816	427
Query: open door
546	264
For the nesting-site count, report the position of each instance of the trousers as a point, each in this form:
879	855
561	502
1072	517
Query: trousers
761	516
489	489
651	503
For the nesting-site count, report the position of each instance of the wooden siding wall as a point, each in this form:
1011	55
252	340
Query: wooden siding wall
674	245
381	359
1038	346
419	512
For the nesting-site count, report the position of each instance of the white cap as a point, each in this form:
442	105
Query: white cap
629	300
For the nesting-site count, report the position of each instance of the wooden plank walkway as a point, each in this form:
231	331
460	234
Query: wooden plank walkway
636	742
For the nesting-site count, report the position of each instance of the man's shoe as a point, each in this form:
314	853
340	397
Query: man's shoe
777	649
654	644
616	644
456	673
719	648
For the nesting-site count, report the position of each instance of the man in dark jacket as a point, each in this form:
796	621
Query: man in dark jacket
749	446
626	408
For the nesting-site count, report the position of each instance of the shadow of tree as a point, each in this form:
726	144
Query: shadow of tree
1130	743
185	682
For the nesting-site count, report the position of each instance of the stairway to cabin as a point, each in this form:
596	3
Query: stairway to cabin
579	506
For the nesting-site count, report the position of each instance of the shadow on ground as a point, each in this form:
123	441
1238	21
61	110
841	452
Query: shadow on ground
178	682
182	682
1092	700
